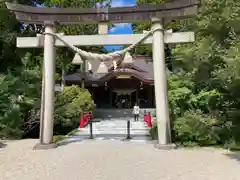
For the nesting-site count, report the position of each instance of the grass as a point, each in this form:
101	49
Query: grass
72	132
58	138
233	147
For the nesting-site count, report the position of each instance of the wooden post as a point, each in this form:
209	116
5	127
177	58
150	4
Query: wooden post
128	130
91	129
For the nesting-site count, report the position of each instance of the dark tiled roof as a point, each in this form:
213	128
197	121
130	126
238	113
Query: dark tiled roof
141	68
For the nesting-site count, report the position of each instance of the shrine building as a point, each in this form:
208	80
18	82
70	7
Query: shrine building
127	81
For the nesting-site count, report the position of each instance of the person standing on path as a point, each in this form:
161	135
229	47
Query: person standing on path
136	110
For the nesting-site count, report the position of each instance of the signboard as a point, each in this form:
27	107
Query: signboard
124	76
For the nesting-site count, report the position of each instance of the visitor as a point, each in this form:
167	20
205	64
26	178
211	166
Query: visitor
136	110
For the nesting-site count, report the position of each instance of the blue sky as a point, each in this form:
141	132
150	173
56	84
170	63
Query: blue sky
120	28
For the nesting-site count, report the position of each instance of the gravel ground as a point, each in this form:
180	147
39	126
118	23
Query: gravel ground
115	160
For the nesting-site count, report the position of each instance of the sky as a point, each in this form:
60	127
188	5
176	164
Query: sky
120	28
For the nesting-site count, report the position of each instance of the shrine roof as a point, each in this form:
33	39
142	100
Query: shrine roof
141	68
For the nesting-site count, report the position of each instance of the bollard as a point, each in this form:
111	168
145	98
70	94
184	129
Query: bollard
128	130
91	130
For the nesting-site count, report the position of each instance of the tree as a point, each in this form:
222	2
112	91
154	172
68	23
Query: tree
211	64
21	71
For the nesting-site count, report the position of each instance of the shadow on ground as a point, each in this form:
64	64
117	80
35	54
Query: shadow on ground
69	141
234	155
78	139
2	145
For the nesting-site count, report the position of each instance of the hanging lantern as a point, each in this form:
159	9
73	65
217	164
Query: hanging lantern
127	58
102	69
141	86
89	66
77	59
114	64
105	85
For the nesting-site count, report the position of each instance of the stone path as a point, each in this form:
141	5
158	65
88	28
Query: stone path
112	130
115	160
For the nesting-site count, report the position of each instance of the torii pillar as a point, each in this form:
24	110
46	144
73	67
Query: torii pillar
48	92
160	84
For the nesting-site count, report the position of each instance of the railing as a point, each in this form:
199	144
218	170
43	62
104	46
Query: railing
148	119
91	121
84	119
87	119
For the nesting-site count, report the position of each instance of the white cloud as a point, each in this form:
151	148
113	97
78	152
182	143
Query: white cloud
121	3
117	3
119	26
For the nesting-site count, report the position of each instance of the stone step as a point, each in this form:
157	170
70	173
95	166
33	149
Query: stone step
146	132
115	128
119	122
112	134
82	139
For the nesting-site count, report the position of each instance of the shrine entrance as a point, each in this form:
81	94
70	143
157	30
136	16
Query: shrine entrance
157	36
124	98
123	93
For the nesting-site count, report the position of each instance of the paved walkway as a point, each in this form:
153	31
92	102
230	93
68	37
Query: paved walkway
114	160
112	130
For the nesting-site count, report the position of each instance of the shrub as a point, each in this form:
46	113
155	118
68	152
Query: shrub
154	130
18	95
196	127
69	103
192	129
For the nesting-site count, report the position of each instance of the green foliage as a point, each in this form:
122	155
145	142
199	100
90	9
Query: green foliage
69	103
205	82
190	112
18	96
154	130
197	127
58	138
21	83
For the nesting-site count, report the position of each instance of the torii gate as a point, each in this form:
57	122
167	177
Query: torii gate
50	17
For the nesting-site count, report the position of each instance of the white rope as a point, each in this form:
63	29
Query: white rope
103	57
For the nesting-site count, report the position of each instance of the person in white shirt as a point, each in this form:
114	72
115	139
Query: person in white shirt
136	110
